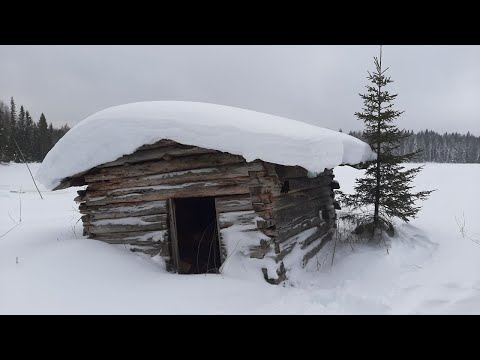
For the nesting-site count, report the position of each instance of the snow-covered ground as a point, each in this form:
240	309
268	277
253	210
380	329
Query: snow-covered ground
46	266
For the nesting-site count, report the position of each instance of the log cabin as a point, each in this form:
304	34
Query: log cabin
203	204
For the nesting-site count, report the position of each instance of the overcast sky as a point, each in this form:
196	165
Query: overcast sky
438	86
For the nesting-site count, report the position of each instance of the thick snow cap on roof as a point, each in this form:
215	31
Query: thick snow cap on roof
111	133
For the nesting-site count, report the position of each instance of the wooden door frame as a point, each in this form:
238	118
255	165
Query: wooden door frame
173	233
174	237
219	236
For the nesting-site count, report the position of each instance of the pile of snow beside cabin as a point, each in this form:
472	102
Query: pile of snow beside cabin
120	130
47	267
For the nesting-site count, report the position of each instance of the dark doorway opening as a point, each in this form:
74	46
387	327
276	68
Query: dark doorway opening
197	236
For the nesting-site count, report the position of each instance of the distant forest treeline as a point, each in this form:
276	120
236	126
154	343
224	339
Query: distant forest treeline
35	139
441	148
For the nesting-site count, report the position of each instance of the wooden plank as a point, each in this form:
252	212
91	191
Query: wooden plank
164	195
260	178
80	199
322	230
317	248
138	236
221	243
162	166
76	180
130	220
138	190
124	210
286	200
173	234
118	215
108	226
289	244
233	203
300	184
235	171
166	152
298	227
286	214
124	228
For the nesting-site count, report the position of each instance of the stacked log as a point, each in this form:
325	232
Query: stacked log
126	200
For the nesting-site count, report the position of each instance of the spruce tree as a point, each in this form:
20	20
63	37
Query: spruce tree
28	149
12	149
386	184
20	137
43	137
50	142
4	132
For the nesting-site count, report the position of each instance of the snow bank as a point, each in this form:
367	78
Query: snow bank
120	130
48	267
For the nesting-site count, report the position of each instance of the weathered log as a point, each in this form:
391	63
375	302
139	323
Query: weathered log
139	236
294	229
80	199
310	254
76	180
130	220
286	200
262	178
233	203
141	190
118	215
235	171
166	194
300	184
162	166
285	251
108	228
157	154
298	209
160	207
263	191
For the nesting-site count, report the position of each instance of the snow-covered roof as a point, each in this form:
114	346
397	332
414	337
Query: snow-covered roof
120	130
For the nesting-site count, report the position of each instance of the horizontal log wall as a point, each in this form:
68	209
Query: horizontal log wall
303	203
125	201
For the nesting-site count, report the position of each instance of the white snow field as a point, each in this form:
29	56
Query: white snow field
47	267
120	130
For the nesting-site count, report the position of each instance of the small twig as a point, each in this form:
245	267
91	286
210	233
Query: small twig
23	158
9	230
228	257
334	248
463	231
11	218
20	201
388	253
